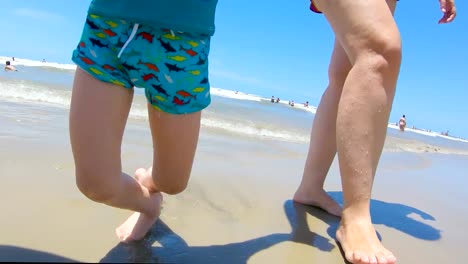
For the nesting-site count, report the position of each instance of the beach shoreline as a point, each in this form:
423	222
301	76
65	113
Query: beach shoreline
236	206
237	95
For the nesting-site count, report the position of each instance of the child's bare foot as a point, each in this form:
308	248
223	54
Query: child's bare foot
145	178
138	224
318	198
360	243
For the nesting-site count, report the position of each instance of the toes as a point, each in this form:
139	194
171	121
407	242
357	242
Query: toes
350	256
381	258
391	259
372	260
364	259
361	258
357	258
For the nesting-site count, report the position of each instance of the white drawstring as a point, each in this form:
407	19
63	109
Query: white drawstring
132	35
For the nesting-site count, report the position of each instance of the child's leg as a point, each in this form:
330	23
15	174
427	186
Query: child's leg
175	139
98	116
173	70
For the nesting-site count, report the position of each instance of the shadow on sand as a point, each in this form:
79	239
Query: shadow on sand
19	254
397	216
174	249
392	215
171	248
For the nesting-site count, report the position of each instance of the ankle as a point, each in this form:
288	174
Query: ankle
310	188
154	203
355	213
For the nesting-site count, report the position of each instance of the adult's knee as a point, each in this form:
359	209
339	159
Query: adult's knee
339	68
337	75
382	54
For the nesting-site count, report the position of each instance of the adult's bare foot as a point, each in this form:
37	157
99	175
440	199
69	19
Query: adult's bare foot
138	224
360	243
318	198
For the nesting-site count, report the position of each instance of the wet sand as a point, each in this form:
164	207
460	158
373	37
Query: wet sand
237	208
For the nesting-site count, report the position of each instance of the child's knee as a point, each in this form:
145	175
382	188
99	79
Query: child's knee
172	187
93	189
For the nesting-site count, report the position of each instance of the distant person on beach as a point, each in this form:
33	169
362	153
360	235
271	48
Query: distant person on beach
277	100
352	117
9	67
13	58
272	99
306	104
116	53
402	123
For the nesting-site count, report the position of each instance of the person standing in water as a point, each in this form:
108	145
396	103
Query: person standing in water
402	123
9	67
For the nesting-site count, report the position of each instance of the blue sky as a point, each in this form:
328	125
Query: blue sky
280	48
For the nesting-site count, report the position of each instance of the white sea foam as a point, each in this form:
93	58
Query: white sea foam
245	129
34	63
234	94
214	91
27	92
417	131
427	133
30	92
452	138
249	129
251	97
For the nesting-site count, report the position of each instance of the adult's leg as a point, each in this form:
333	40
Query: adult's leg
370	38
322	147
98	116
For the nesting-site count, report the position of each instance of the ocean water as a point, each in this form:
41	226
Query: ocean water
231	113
